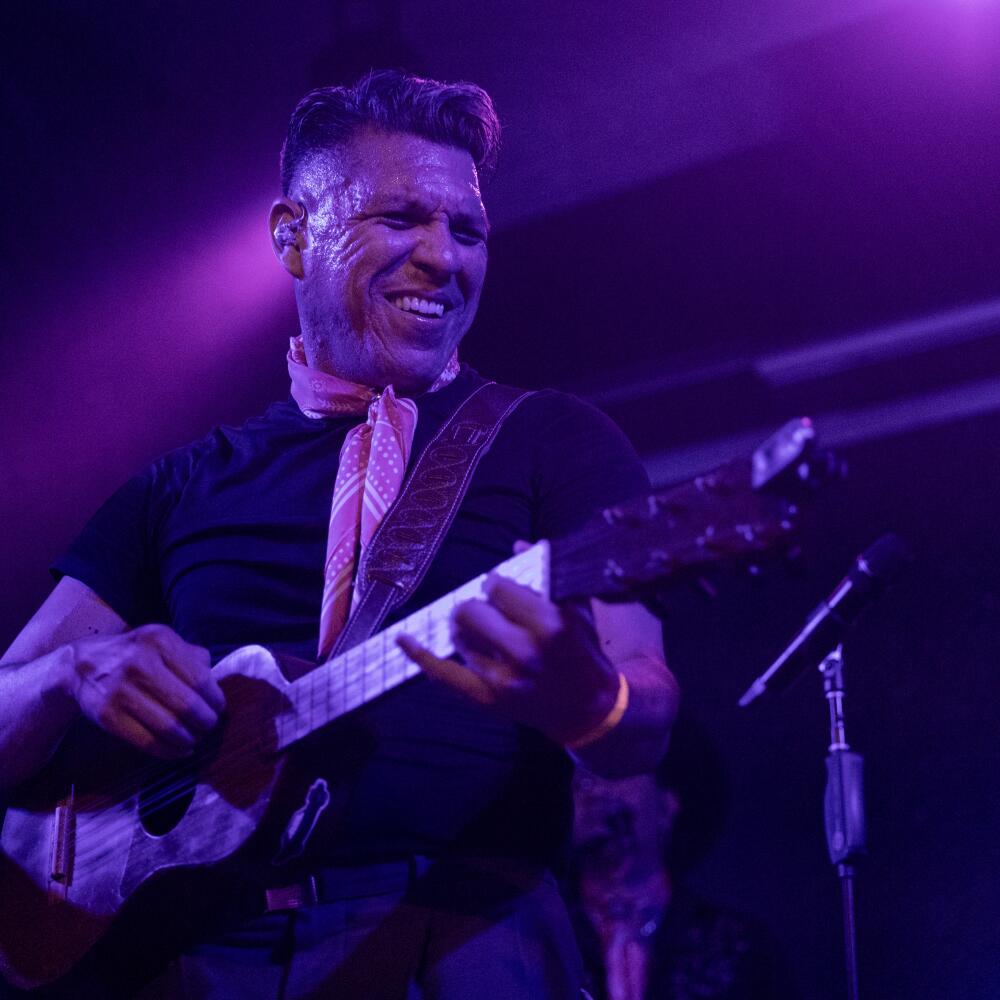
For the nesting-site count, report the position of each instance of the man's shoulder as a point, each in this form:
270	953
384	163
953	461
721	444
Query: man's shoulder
564	445
541	402
224	441
279	415
561	418
558	403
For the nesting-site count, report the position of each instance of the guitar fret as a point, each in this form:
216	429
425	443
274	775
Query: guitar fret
383	658
371	678
312	702
362	672
328	690
394	661
336	685
378	664
352	681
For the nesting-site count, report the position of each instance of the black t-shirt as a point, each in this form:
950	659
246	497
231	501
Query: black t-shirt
224	540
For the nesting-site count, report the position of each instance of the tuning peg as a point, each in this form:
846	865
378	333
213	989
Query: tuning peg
627	515
821	468
660	506
613	515
787	522
613	573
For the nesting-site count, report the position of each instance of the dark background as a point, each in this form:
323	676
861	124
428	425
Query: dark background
708	218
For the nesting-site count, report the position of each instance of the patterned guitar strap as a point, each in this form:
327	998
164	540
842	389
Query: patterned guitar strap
404	544
401	549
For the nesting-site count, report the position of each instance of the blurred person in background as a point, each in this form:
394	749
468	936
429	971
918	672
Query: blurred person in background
644	934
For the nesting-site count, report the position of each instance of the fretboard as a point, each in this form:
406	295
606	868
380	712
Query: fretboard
371	668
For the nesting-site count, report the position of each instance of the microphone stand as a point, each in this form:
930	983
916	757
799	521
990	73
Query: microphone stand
843	807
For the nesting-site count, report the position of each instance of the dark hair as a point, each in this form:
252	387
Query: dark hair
454	114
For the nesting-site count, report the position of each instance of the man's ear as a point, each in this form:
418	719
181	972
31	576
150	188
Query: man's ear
288	234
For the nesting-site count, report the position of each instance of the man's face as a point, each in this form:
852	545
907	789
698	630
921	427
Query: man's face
620	824
395	259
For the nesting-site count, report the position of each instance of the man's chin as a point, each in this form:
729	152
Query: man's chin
409	367
415	383
415	370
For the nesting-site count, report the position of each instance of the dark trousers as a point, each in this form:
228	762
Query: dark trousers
439	931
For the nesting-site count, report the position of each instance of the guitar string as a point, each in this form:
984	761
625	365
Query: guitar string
335	680
138	776
175	790
341	679
179	790
166	790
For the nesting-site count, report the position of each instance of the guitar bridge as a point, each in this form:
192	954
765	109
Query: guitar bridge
63	844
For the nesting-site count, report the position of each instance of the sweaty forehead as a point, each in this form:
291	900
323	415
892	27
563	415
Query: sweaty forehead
379	167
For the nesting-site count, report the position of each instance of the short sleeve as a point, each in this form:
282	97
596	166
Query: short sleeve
583	463
115	554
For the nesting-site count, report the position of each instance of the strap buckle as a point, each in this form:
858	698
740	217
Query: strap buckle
292	897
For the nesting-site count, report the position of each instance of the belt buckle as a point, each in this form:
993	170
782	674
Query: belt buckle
292	897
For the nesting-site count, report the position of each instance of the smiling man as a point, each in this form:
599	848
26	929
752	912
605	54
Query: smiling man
390	256
419	862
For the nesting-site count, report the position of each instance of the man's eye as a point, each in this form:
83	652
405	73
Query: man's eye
469	237
396	221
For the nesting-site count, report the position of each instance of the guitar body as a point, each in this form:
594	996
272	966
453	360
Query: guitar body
76	857
92	849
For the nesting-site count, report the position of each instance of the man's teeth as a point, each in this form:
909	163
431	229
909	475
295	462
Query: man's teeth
421	306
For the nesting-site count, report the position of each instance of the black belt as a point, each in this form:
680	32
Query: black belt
329	885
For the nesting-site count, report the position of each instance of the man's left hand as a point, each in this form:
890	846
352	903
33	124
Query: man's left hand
535	662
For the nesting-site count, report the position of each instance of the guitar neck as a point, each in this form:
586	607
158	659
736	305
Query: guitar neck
735	510
368	670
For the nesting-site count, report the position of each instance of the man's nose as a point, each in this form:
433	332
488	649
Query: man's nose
435	250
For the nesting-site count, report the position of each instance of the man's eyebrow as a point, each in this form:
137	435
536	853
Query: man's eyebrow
404	204
479	218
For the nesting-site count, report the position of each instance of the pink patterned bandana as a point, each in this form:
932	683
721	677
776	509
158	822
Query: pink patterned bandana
372	465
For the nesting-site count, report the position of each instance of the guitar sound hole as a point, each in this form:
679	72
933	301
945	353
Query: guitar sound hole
164	799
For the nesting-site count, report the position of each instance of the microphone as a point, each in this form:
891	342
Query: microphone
872	571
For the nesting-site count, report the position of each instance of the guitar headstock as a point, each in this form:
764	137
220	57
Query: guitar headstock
744	507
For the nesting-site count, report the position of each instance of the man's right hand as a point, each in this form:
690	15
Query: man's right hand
148	687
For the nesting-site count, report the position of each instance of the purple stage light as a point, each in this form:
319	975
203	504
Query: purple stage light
148	349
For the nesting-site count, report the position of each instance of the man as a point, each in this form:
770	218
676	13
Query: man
459	781
644	934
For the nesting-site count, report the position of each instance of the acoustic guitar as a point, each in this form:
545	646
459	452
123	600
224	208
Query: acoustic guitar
95	841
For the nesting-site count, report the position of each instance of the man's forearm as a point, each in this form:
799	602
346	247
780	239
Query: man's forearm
36	709
639	740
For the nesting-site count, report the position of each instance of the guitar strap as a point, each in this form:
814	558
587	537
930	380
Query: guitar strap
400	552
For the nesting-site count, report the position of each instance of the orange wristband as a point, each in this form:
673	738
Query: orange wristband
608	722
